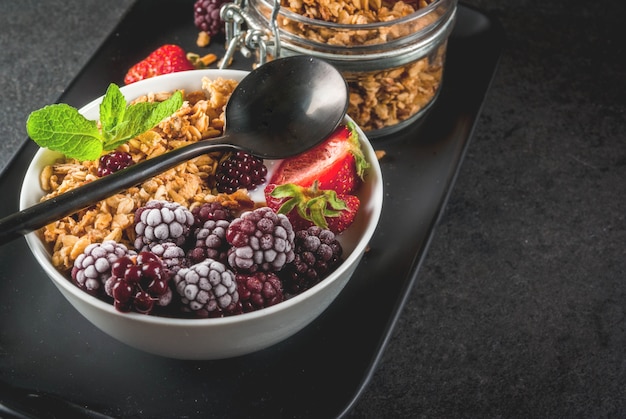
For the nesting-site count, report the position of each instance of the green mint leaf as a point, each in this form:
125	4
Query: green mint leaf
112	110
163	109
62	128
140	117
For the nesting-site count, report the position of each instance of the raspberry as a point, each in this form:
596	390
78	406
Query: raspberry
259	290
261	240
317	254
239	171
206	16
114	161
139	283
208	289
162	221
210	242
172	256
93	267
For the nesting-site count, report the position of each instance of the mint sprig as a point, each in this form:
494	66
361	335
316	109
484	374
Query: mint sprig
62	128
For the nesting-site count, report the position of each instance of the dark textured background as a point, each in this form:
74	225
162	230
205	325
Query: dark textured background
520	307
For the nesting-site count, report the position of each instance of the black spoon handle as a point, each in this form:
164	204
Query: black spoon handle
42	214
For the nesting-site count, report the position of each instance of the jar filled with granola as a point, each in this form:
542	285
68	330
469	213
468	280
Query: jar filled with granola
390	52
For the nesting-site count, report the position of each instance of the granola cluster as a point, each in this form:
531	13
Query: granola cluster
200	118
380	98
356	12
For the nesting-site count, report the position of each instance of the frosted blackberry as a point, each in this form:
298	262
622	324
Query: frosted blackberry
139	283
261	240
114	161
210	211
162	221
239	171
207	289
210	242
93	267
206	16
317	254
259	290
172	256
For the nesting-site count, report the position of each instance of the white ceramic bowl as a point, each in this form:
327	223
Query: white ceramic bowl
220	337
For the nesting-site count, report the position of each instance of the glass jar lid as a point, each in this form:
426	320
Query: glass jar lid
349	46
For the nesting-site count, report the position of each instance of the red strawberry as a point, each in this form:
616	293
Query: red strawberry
337	163
306	206
164	60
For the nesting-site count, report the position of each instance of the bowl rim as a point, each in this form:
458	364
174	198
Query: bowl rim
42	255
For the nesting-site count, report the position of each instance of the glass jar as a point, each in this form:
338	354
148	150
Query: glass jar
394	68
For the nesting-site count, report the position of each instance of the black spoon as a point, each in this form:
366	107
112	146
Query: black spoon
280	109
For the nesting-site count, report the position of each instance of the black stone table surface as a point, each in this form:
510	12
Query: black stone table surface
520	305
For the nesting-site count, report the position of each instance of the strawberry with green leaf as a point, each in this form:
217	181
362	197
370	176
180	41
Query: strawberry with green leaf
307	206
338	163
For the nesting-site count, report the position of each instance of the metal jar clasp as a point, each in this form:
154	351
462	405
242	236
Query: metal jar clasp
245	34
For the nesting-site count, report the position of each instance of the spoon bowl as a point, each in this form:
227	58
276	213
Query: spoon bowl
286	106
281	109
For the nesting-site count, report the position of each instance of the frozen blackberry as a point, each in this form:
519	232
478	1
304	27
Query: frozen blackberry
114	161
172	255
208	289
93	267
210	242
239	171
162	221
261	240
139	283
317	254
259	290
210	211
206	16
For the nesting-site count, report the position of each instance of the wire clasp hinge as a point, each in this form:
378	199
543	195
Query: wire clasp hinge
245	34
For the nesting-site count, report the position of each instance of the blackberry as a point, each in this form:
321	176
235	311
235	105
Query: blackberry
239	171
210	211
317	254
93	267
162	221
261	241
172	256
259	290
208	289
139	283
114	161
206	16
210	242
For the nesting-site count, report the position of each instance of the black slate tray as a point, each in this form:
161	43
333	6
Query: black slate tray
53	363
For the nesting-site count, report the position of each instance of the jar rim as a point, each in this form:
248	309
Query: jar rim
285	12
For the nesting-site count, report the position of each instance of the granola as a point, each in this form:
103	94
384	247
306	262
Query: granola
378	98
387	97
356	12
200	118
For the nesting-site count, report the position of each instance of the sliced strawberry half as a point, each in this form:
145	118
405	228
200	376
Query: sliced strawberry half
336	164
307	206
